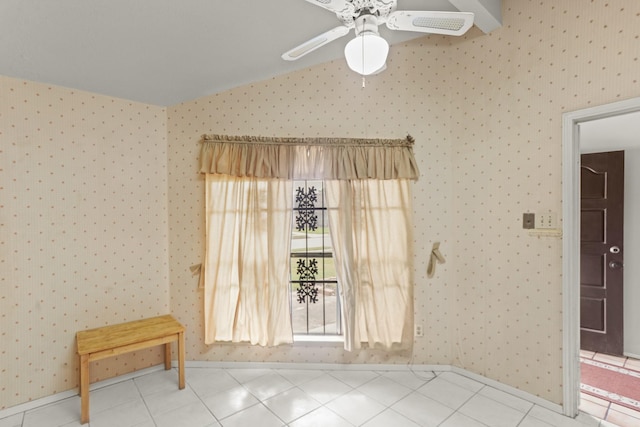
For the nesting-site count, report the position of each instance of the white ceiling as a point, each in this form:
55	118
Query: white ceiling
163	52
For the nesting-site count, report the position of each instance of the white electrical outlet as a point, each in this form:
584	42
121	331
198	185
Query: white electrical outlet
419	331
546	220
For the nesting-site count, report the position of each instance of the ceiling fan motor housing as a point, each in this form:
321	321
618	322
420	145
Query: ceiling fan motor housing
357	8
366	23
367	52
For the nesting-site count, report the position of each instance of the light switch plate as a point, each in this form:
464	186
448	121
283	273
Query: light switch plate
528	221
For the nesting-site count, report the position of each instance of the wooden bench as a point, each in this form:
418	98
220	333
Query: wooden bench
108	341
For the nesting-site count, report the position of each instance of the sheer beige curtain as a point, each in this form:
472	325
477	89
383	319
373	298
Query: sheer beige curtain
246	298
249	209
370	224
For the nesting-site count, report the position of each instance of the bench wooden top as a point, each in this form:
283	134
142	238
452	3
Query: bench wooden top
108	337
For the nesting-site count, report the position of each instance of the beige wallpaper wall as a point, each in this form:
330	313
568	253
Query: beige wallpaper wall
511	89
83	230
84	238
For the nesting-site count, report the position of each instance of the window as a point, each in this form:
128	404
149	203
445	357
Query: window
256	290
315	306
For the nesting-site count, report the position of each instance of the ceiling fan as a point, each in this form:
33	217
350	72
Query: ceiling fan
367	52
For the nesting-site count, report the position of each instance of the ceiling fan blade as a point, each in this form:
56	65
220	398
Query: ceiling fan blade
332	5
449	23
316	42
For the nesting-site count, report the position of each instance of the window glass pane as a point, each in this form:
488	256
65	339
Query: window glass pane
314	289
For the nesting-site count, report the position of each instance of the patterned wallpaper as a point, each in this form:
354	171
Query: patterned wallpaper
83	230
88	248
511	88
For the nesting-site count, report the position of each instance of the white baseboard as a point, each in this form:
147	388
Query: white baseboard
312	366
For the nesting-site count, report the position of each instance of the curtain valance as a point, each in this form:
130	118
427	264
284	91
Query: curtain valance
308	158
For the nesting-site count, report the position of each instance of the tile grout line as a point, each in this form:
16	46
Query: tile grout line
606	413
457	410
201	401
260	401
153	420
527	414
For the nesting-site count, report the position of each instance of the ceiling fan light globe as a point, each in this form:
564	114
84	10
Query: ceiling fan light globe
375	54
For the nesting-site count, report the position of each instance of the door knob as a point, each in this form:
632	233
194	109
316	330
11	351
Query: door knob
614	265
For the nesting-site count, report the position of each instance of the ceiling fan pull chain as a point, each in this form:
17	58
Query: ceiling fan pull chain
362	70
362	37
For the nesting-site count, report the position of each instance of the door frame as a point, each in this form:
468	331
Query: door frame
571	242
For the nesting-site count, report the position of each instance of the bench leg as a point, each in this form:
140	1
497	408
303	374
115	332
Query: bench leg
181	352
167	356
84	388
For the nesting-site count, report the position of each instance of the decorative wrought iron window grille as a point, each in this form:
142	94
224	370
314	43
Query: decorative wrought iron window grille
315	306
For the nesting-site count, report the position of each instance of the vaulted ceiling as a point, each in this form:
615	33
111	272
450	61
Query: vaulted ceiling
163	52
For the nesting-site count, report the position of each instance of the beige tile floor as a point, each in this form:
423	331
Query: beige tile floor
298	398
605	410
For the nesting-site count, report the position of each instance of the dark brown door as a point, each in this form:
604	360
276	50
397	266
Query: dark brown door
601	219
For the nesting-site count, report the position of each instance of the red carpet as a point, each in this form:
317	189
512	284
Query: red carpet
612	383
